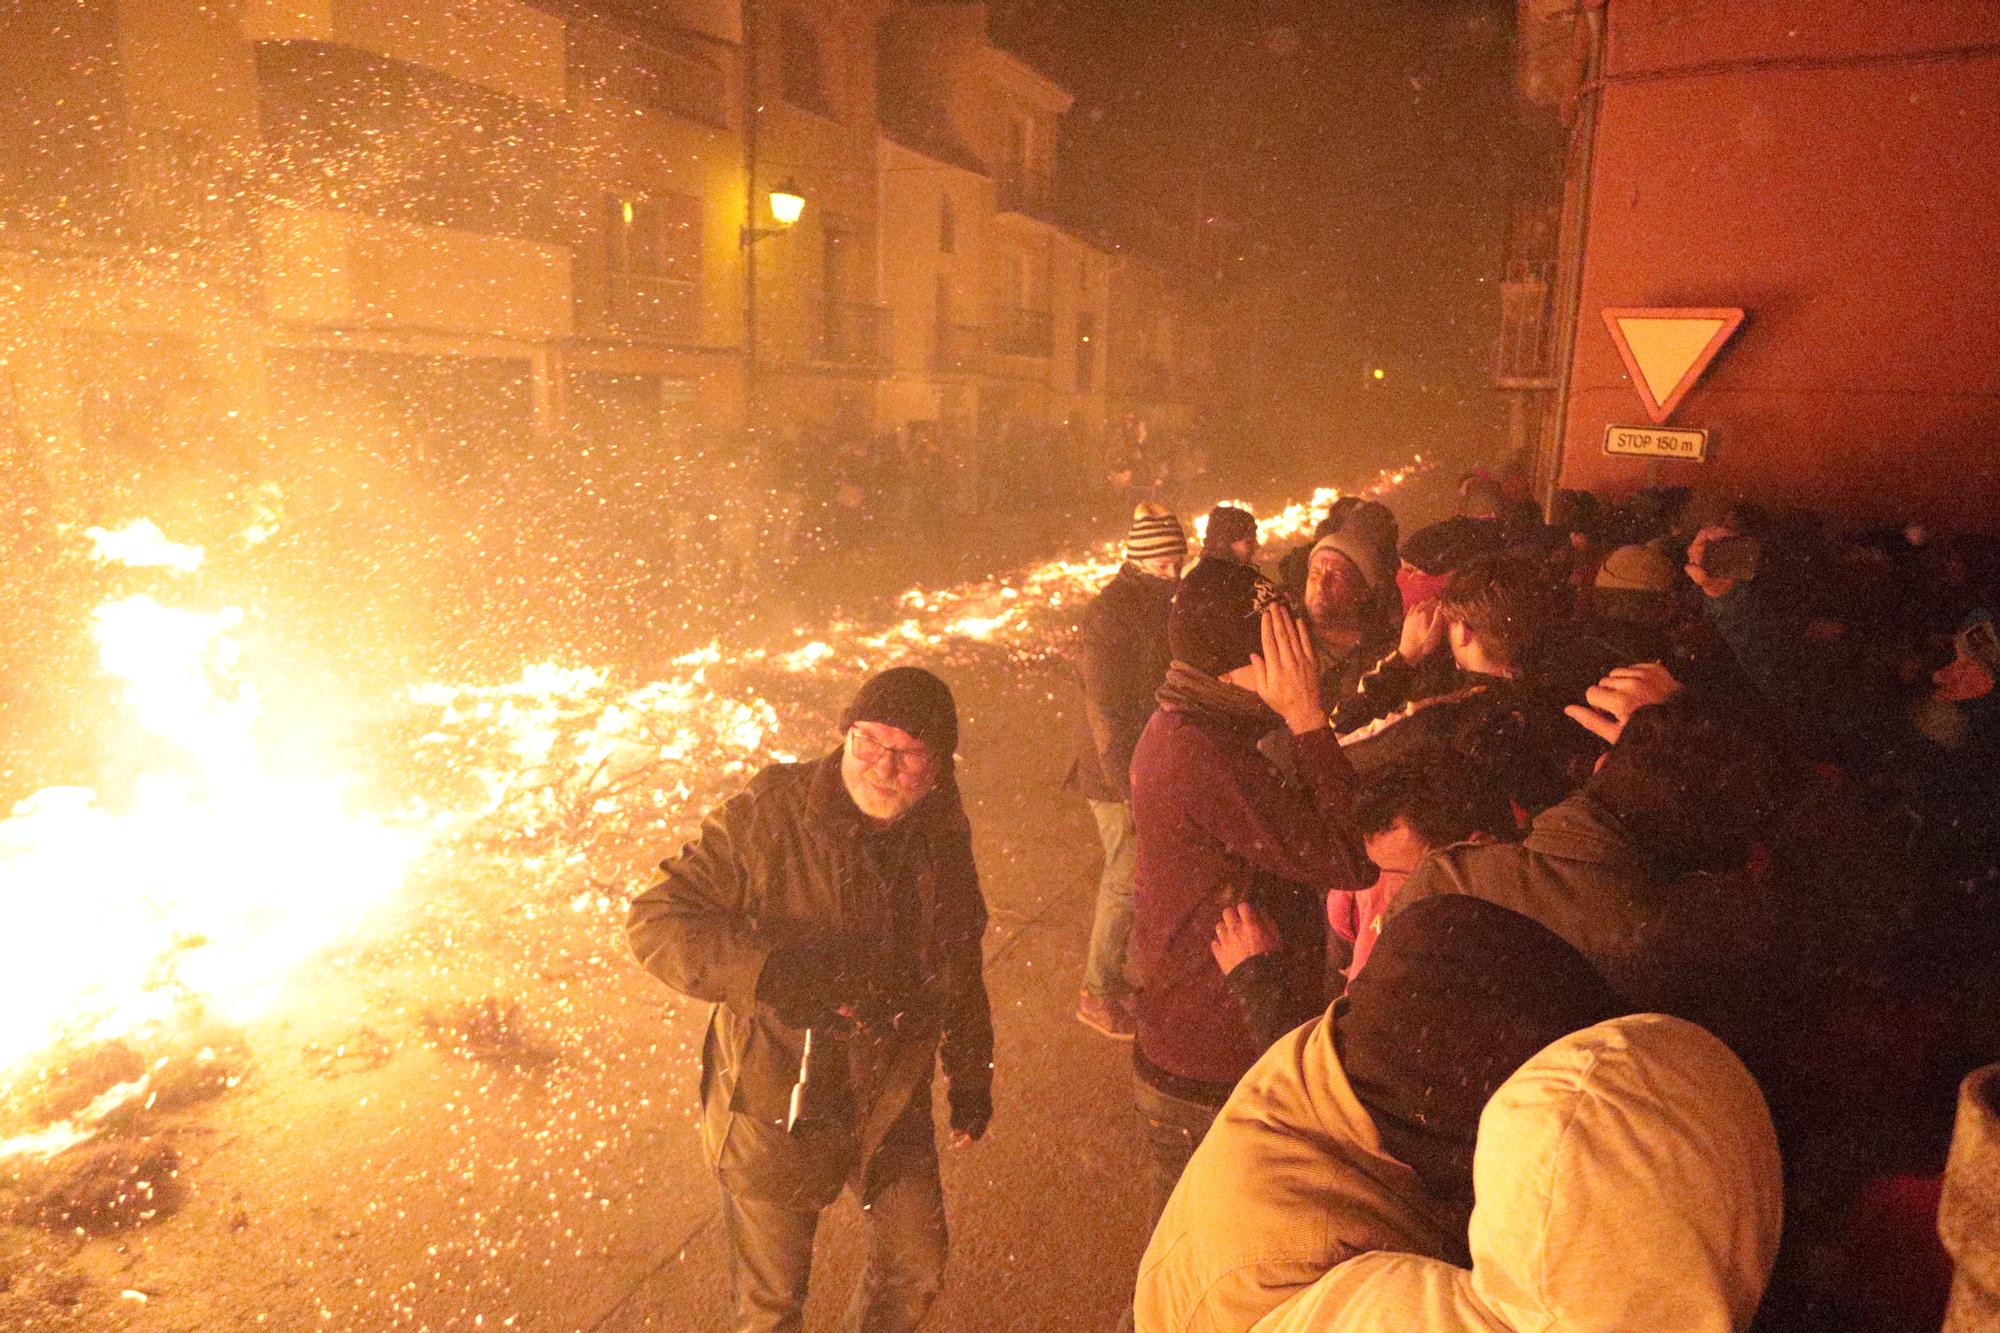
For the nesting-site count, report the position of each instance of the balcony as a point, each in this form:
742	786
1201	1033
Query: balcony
504	45
1018	188
851	334
652	303
345	270
642	73
957	349
1026	332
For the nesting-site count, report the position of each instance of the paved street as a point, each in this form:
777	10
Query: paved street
478	1113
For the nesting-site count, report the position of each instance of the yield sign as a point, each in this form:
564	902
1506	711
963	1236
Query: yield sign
1665	350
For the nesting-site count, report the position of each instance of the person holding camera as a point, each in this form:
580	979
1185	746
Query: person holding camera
831	915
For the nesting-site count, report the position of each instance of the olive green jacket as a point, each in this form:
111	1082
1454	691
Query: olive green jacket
792	860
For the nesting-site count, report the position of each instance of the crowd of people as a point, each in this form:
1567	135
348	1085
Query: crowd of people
1493	908
1570	922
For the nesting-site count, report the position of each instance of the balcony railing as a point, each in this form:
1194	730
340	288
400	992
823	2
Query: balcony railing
1026	332
851	334
957	349
652	303
1021	189
646	74
326	267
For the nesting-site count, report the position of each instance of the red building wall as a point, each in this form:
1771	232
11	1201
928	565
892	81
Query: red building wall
1832	166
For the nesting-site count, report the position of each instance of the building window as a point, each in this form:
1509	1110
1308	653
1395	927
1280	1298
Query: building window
801	72
947	225
1020	142
652	263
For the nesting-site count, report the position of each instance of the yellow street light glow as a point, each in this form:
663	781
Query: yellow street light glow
626	209
787	203
1379	373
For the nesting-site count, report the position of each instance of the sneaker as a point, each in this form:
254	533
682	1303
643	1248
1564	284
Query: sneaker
1112	1016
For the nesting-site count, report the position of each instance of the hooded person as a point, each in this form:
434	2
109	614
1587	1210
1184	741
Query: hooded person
1359	1127
1120	660
1220	825
830	915
1628	1179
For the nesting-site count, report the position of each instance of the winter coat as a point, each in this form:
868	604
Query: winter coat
1654	942
1218	824
1224	1254
1120	658
791	860
1628	1179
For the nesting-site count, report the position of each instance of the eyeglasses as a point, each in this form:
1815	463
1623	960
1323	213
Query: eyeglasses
873	753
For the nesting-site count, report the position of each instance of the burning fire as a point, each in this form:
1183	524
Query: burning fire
207	887
222	873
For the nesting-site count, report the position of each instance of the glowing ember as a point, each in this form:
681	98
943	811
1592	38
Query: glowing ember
220	874
142	545
208	886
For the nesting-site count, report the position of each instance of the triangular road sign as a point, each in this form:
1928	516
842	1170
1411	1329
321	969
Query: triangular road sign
1665	349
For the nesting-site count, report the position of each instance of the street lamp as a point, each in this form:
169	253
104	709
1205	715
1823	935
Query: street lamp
786	206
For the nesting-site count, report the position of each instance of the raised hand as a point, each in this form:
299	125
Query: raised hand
1423	632
1698	548
1286	675
1609	704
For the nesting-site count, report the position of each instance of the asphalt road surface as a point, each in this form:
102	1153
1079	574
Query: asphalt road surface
479	1114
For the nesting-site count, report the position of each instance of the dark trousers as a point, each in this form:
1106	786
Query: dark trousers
771	1244
1171	1128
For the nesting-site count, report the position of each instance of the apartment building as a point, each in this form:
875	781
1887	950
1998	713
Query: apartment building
433	234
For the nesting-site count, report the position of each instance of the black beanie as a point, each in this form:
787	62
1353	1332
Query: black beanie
1215	626
910	699
1226	524
1443	547
1457	995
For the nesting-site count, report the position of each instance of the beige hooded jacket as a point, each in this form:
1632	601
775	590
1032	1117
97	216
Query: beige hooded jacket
1627	1182
1290	1180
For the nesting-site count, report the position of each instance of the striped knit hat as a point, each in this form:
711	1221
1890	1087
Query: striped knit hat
1155	532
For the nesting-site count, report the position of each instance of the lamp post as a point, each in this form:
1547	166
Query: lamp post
786	204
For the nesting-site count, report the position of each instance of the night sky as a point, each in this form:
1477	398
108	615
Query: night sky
1350	161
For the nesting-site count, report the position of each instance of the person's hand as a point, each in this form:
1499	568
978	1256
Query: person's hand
1286	675
1243	933
811	985
1423	632
971	1113
1698	548
1609	704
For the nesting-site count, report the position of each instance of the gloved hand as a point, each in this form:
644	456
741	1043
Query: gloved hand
807	984
971	1113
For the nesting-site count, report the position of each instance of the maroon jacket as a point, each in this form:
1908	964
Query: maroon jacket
1217	823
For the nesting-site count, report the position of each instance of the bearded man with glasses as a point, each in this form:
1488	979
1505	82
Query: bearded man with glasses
831	915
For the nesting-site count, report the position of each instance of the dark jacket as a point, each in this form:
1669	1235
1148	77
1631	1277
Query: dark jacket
1120	659
1671	946
1218	824
792	860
